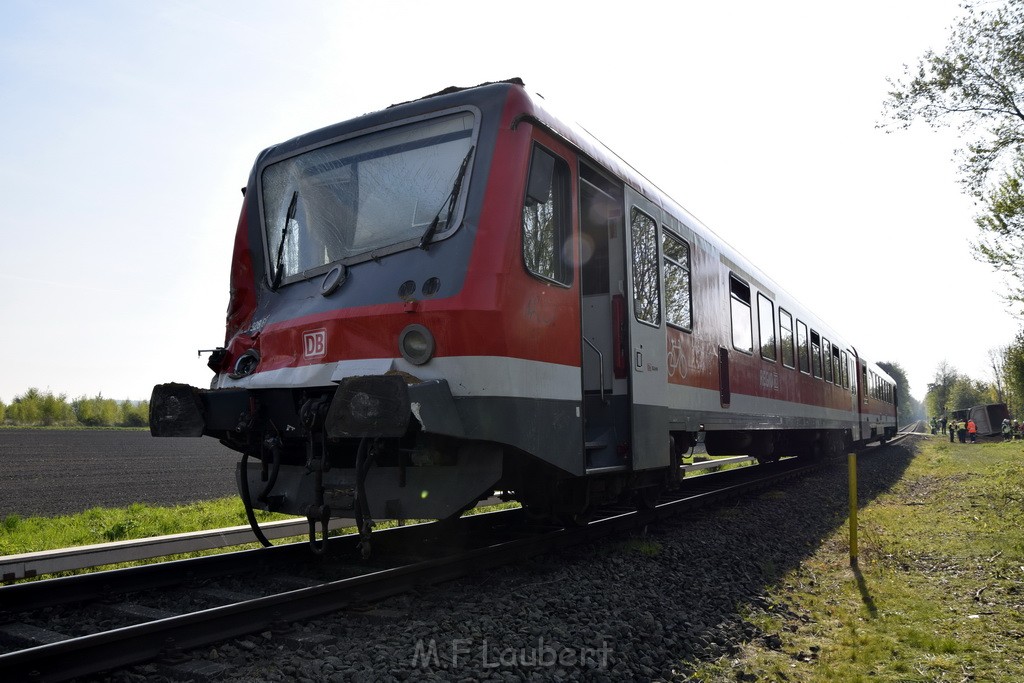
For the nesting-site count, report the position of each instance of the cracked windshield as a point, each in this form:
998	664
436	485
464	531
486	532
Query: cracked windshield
348	199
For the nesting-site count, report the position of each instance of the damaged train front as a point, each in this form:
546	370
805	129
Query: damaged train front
333	380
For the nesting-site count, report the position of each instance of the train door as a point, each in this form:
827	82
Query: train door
648	369
604	333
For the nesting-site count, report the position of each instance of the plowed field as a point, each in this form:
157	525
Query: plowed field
54	472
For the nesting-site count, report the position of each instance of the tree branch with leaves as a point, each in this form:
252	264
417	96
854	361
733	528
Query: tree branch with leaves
976	85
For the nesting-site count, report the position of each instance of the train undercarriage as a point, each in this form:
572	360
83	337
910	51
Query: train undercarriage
379	448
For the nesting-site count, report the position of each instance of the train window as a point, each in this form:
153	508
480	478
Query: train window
678	303
366	197
826	354
546	220
836	367
815	354
844	364
600	216
766	326
805	351
742	329
786	337
646	290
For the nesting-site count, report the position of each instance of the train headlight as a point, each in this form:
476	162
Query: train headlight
246	364
416	344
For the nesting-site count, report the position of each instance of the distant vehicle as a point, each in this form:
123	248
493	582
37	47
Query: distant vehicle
989	418
464	293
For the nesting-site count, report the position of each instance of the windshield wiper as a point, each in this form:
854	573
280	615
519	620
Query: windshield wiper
279	262
450	201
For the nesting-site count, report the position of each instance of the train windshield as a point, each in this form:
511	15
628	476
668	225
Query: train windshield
366	196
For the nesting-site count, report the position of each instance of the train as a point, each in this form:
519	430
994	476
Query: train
463	293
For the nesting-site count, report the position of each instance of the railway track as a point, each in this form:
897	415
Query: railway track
70	627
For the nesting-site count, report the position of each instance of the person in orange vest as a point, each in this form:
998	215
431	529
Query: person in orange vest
972	429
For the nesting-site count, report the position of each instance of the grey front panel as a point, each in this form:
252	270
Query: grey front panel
551	430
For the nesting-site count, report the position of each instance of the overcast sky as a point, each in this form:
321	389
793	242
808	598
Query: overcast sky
127	129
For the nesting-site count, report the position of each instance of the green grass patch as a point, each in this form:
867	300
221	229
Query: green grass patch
938	594
102	525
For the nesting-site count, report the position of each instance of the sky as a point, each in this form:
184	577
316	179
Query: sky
127	130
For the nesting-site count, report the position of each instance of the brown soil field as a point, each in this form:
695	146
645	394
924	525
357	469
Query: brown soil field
44	472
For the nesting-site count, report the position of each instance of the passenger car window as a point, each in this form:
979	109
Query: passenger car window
786	334
826	352
646	289
805	351
546	218
815	354
678	304
742	329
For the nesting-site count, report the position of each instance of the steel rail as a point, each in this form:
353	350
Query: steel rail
36	564
31	565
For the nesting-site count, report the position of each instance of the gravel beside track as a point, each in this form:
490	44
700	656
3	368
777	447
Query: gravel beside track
53	472
624	609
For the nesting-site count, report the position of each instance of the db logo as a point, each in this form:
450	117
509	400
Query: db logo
314	343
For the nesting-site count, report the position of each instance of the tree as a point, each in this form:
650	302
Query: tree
1014	375
134	414
97	412
26	408
35	407
966	393
55	410
1001	243
938	391
977	86
997	361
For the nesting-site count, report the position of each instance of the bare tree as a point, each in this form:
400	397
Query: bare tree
997	361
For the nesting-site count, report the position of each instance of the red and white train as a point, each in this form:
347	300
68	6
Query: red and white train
463	293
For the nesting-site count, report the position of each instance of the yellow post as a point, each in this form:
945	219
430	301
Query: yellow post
852	462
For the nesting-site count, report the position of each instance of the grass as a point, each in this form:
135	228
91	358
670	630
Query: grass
937	595
102	525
